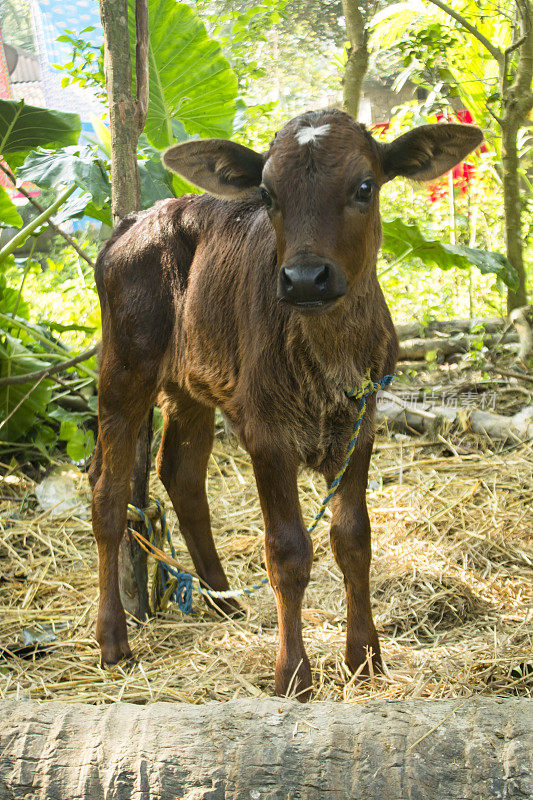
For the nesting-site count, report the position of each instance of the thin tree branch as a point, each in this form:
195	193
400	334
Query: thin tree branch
72	242
44	373
494	116
141	61
515	45
495	52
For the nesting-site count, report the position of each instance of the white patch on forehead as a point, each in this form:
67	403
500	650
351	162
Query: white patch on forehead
309	134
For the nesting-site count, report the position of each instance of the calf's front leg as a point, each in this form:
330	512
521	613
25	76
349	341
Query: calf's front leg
350	542
289	554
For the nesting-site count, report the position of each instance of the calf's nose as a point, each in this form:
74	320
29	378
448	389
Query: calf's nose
310	284
303	281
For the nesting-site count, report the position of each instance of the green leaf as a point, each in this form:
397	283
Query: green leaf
75	207
8	211
399	237
69	165
76	417
189	77
45	439
11	300
67	430
487	261
24	128
80	445
16	359
155	182
101	214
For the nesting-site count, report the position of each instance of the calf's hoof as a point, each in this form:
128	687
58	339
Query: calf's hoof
114	651
293	679
365	655
113	640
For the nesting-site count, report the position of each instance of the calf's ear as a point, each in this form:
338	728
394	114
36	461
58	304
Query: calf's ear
427	152
225	169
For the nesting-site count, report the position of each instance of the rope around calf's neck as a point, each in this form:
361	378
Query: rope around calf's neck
169	567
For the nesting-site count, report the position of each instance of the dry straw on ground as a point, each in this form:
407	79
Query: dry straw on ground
451	587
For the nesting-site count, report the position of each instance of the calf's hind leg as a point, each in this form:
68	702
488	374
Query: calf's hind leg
124	400
181	464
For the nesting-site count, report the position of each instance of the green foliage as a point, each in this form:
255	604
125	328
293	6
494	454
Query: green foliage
9	215
86	67
15	22
69	165
193	91
20	404
79	441
189	77
31	414
407	241
24	128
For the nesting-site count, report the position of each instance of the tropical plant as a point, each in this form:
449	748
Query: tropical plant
484	62
193	92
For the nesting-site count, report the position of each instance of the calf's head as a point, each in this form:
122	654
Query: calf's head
319	183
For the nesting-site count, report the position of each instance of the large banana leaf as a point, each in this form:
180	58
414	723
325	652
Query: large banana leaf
24	128
407	240
189	77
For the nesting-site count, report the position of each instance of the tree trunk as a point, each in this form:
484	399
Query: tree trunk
268	750
517	102
125	183
357	63
513	212
127	115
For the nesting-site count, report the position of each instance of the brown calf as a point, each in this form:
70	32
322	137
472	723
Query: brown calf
267	307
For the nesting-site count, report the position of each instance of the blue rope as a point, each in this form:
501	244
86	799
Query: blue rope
182	594
367	388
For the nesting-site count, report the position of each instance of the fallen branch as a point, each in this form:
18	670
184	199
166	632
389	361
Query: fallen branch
509	373
267	749
413	330
407	416
417	349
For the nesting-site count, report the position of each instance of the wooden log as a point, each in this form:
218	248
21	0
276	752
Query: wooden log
413	330
399	414
415	349
470	749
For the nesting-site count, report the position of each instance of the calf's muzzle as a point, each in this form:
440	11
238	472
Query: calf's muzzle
309	282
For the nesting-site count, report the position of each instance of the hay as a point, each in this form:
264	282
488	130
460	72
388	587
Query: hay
451	587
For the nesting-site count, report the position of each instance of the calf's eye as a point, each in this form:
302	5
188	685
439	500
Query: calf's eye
265	197
365	191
